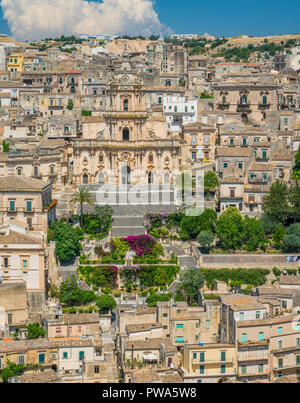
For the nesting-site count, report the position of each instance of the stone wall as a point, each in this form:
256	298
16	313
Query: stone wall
247	261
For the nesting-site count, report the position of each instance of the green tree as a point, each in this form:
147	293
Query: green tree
210	182
67	241
205	239
291	239
278	236
106	303
253	233
5	146
34	331
70	105
276	202
294	200
81	197
190	226
190	283
268	223
12	370
72	295
230	229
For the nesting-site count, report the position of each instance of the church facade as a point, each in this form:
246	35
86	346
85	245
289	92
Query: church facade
129	144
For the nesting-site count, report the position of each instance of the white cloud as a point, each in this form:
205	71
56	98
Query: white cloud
36	19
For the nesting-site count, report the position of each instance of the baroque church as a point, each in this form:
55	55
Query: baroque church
129	144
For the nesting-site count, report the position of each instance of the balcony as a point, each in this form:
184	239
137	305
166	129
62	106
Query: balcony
223	106
263	107
243	108
289	366
214	362
265	342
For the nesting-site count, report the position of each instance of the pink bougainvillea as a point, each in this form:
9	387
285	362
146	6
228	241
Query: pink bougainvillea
141	244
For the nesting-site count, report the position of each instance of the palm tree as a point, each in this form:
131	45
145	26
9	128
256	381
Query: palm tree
82	196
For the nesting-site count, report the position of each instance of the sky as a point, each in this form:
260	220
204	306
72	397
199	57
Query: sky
36	19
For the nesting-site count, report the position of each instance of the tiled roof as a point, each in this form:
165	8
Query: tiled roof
233	151
15	238
21	184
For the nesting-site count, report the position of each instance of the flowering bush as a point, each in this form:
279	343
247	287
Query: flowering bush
142	244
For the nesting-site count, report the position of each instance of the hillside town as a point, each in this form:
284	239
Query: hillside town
114	266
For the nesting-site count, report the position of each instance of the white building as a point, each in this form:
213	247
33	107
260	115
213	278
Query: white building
179	111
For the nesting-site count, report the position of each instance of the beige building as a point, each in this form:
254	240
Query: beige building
28	201
69	325
208	363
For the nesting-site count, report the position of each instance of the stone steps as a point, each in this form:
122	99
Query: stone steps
123	226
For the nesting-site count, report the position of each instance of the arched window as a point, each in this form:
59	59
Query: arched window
52	169
72	80
194	140
150	158
101	178
85	179
19	171
243	100
167	178
168	83
73	90
125	134
126	175
35	171
150	177
100	158
125	105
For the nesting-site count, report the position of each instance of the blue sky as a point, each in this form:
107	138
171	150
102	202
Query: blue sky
230	17
224	18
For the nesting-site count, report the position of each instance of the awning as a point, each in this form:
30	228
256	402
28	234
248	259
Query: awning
149	357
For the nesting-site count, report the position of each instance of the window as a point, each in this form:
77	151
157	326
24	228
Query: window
194	140
279	344
65	355
257	315
225	165
283	304
297	327
232	193
81	355
25	264
6	262
197	324
35	171
96	369
244	337
41	358
280	362
231	142
125	134
261	336
223	355
19	171
223	369
179	339
265	100
264	154
9	319
179	326
242	315
29	206
244	370
67	129
207	324
194	356
201	369
194	155
280	330
298	341
202	356
298	359
244	141
240	165
21	359
12	205
260	368
125	105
